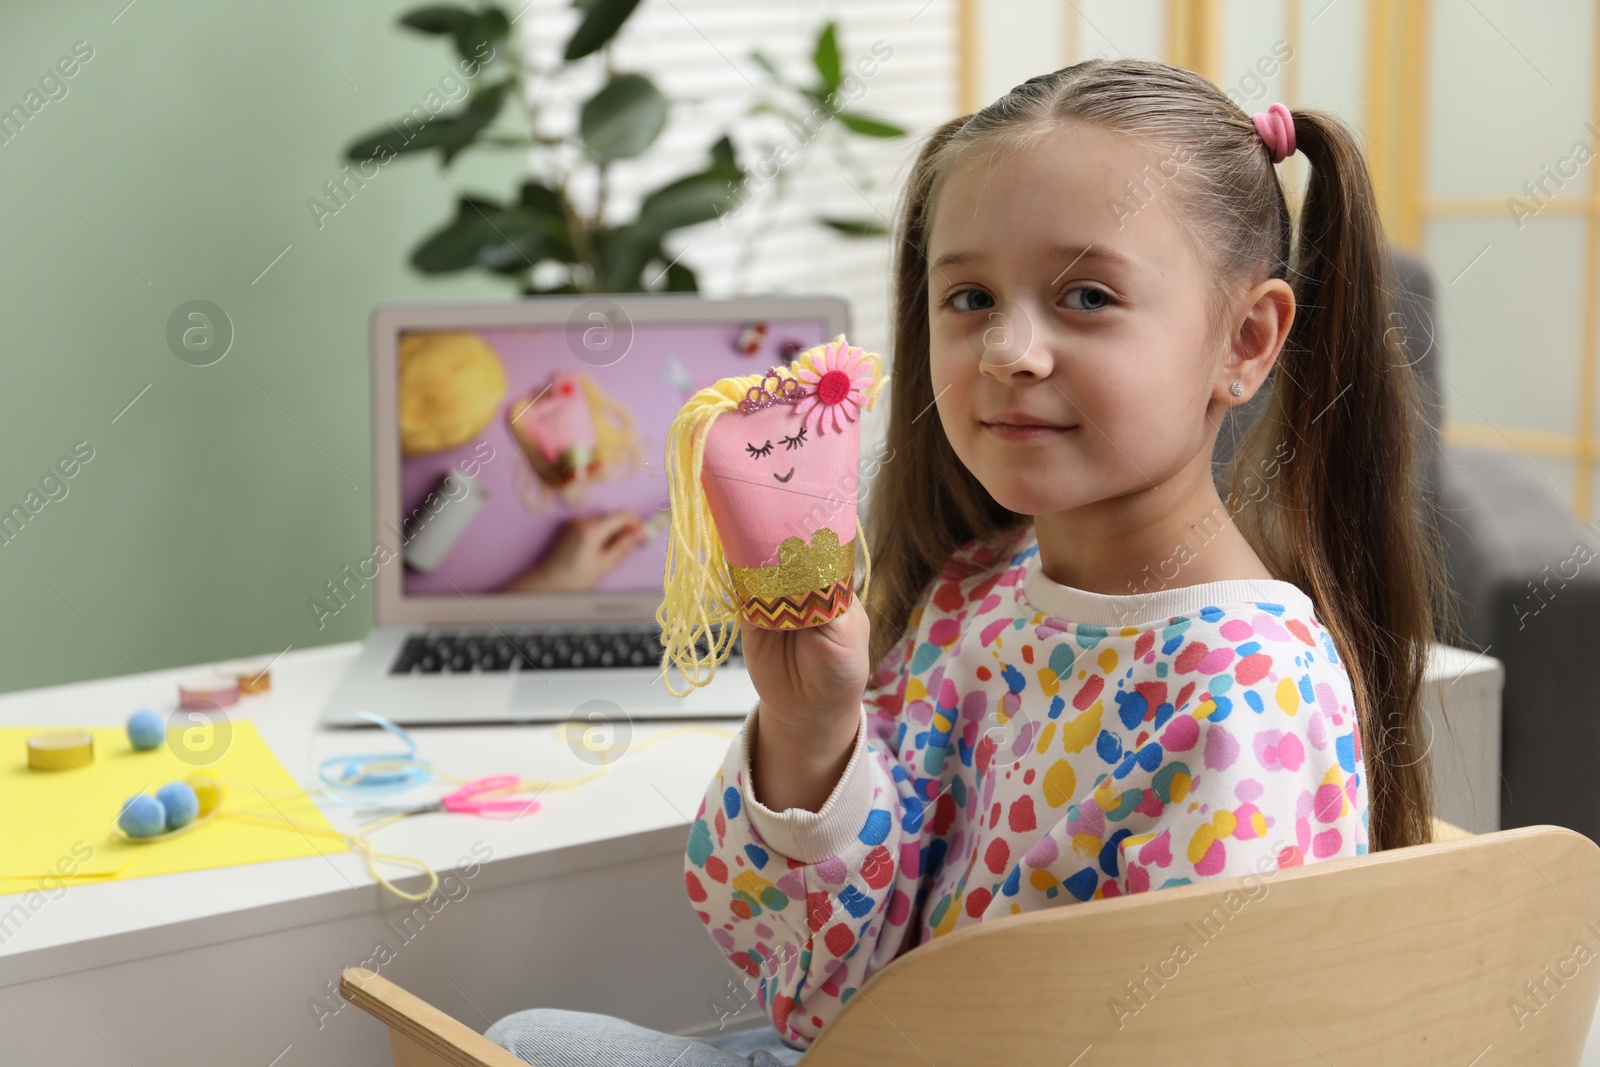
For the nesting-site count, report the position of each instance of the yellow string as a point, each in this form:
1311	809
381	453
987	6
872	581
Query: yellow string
118	834
358	842
698	595
616	444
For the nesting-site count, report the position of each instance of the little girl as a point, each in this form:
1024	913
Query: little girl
1094	677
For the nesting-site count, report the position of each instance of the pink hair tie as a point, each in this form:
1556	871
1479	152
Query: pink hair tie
1276	127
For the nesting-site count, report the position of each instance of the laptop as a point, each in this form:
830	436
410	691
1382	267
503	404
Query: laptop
521	516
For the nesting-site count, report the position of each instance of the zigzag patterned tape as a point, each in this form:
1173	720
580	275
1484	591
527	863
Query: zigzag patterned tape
790	613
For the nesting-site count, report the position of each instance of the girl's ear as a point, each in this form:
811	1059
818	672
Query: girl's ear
1261	325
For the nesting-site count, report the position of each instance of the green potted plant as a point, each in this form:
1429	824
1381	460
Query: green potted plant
619	123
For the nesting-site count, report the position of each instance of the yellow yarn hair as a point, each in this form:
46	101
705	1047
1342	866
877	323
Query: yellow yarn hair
698	589
614	439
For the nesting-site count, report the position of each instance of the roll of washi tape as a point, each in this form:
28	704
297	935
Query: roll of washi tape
207	692
60	750
252	675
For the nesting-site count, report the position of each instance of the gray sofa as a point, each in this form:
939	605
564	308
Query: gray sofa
1507	534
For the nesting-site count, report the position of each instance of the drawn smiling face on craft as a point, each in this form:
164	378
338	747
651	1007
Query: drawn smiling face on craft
776	473
787	435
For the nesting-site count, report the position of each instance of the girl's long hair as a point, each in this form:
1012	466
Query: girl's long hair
1346	518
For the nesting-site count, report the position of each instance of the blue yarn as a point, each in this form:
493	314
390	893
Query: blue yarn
180	802
146	730
142	816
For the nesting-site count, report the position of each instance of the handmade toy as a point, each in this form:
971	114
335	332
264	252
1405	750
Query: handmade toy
572	434
762	479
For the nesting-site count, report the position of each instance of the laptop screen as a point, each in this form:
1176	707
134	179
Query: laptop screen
532	457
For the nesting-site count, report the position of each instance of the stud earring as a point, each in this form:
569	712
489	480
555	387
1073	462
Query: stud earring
1236	389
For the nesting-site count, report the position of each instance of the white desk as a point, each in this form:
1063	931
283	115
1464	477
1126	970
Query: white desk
581	905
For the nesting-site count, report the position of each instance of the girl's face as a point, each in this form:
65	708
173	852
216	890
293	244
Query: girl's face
1071	356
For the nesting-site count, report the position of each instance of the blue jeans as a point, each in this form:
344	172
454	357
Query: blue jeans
554	1037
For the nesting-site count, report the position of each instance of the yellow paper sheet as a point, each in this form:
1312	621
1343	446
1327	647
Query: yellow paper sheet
60	823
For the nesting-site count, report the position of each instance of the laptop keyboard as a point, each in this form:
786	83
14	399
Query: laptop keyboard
509	649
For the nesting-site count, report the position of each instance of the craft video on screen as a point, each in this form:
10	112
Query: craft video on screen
531	465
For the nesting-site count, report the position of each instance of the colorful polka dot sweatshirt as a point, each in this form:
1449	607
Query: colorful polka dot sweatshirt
1029	744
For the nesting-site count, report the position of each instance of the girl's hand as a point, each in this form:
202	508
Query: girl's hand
811	683
808	679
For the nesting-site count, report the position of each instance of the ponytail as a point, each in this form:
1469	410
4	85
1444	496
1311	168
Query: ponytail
1351	522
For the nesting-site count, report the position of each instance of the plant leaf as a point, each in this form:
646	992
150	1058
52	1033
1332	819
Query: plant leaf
399	138
825	57
692	199
767	65
623	118
688	201
855	227
523	236
723	161
601	21
766	106
623	253
481	110
489	235
485	29
541	197
680	279
457	244
436	18
868	126
451	132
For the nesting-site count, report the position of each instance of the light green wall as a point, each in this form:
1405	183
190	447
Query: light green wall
192	141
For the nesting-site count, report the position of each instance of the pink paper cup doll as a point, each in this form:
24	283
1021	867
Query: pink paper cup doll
574	435
762	478
556	429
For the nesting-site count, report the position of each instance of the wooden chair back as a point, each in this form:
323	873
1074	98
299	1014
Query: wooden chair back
1471	950
1477	950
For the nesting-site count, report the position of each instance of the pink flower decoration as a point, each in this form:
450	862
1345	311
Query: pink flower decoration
836	384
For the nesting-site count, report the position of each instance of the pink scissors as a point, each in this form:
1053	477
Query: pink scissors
470	799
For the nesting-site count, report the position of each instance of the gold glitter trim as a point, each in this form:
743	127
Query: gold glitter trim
801	568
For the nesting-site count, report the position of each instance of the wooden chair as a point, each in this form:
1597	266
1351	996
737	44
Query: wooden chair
1468	950
420	1035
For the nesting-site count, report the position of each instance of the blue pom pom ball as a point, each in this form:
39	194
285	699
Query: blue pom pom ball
181	802
142	816
146	730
